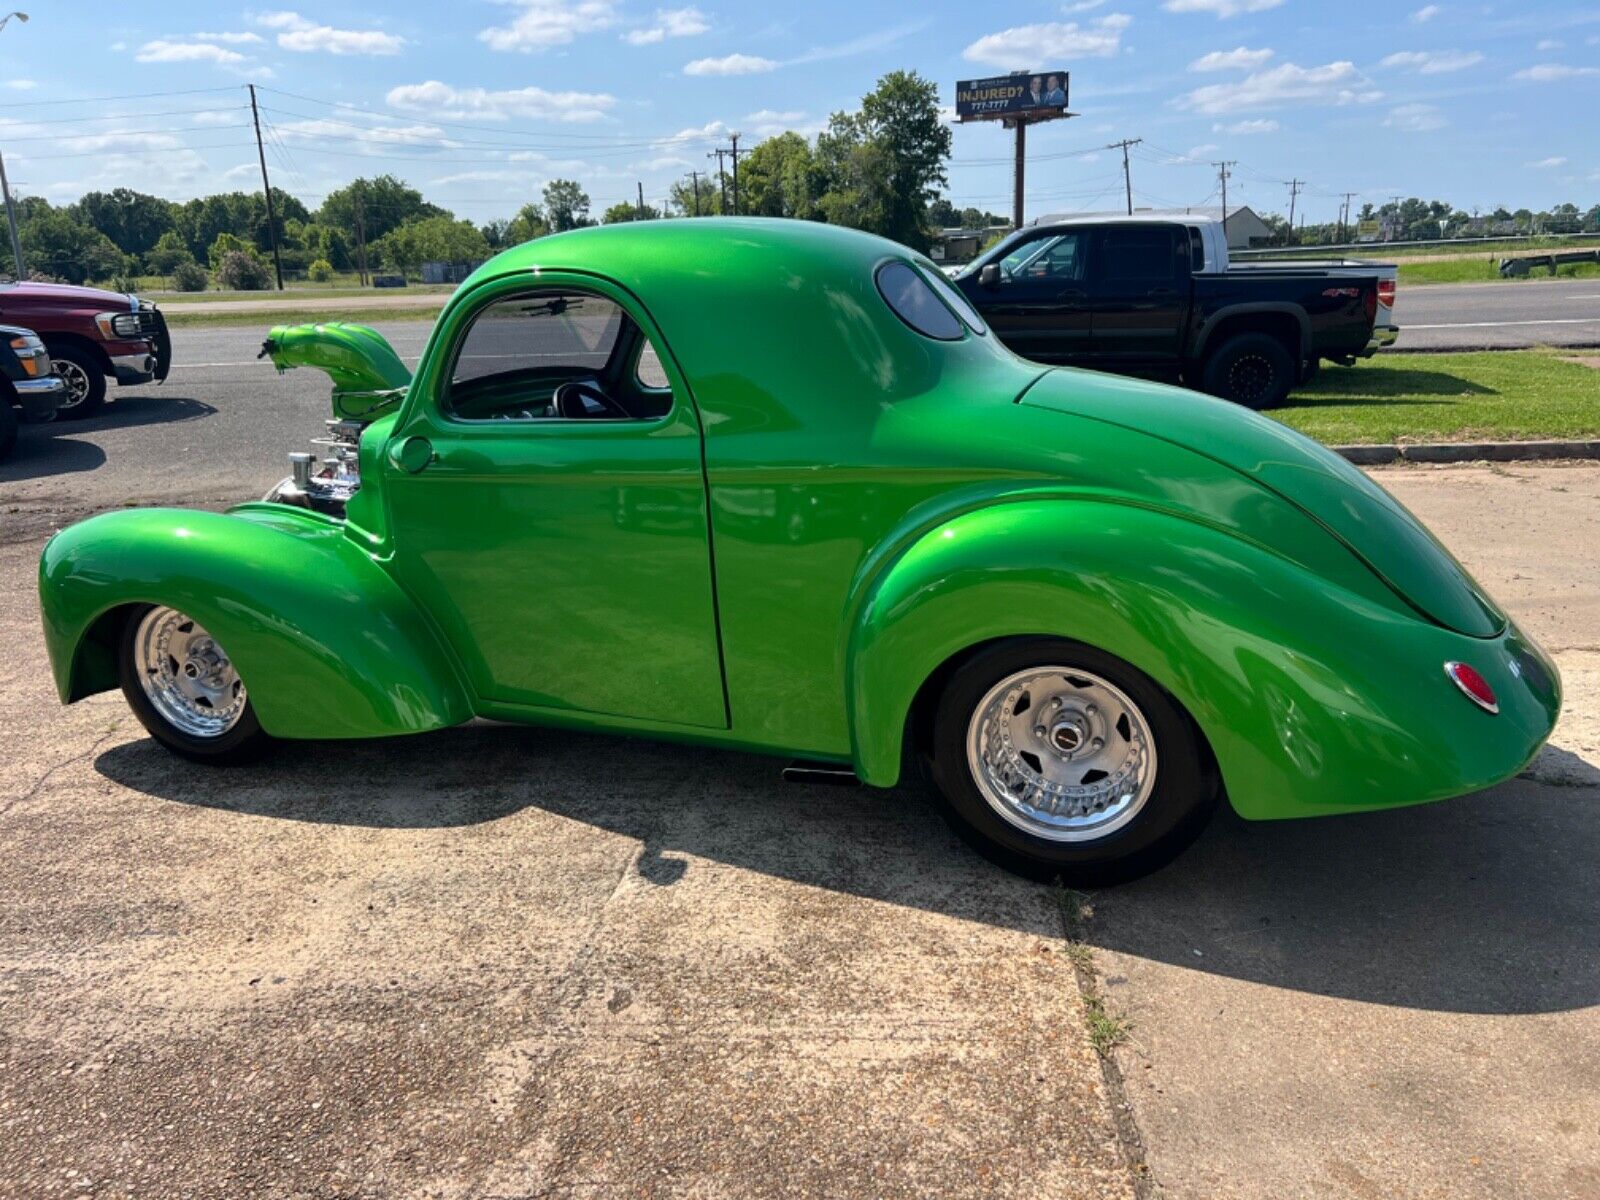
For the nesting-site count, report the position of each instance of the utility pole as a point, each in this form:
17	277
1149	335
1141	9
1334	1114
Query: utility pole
1344	214
722	177
732	152
1018	171
11	218
641	199
1127	178
1294	191
266	188
1222	173
695	176
361	238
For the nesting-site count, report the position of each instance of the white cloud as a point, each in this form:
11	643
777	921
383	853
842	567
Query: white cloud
1546	164
122	141
731	64
1425	14
437	99
1052	40
1551	72
1550	44
1415	118
540	24
669	23
229	39
1333	83
1237	59
22	85
1434	62
1082	6
1246	127
1221	8
1195	154
384	135
304	36
166	50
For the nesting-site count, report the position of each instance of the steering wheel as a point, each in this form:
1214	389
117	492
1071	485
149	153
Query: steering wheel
571	397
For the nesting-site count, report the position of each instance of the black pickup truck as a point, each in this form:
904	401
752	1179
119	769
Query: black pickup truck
1155	296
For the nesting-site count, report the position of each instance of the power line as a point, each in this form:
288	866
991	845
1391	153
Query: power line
127	96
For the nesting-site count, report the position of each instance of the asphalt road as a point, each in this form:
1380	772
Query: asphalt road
1499	316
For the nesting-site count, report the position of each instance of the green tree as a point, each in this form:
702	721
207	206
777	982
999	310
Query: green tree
432	239
168	253
134	221
54	243
383	203
225	244
628	211
682	196
780	178
243	271
566	205
529	223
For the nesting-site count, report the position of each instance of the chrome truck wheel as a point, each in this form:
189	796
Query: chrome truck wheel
1061	753
184	688
1061	761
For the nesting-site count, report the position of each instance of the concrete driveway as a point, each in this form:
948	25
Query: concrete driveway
500	962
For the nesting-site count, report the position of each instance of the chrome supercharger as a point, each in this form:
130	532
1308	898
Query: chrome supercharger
323	482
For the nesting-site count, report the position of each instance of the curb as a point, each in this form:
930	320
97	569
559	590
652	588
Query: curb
1459	452
1485	347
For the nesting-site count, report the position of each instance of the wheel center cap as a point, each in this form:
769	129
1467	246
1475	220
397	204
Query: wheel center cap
1066	736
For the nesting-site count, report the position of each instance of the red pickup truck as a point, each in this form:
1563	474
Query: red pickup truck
92	336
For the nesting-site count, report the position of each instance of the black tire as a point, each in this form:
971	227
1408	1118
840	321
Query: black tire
1182	798
244	743
85	378
1251	369
8	425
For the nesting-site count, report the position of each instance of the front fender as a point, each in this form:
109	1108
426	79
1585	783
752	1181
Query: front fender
1313	699
325	641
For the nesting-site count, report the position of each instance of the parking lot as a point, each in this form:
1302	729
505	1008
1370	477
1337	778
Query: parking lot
506	962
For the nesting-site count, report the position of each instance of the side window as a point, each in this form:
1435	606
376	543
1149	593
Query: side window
1142	254
1197	250
1057	257
556	354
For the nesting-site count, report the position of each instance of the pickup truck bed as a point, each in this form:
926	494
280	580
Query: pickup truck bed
1155	296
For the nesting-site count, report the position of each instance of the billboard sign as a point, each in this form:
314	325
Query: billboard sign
1036	95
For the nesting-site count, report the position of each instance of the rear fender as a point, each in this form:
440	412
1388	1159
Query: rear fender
325	641
1312	698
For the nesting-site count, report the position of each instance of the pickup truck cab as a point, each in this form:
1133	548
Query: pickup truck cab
92	336
1155	296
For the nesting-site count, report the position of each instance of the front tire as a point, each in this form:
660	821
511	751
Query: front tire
1056	759
1251	369
85	380
8	425
185	690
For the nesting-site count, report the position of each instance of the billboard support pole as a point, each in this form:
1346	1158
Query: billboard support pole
1017	180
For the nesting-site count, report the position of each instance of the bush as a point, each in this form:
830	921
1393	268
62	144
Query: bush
241	271
320	271
189	276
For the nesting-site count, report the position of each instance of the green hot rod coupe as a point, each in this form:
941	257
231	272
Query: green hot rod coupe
772	485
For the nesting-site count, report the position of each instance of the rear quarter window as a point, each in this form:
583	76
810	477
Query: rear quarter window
913	300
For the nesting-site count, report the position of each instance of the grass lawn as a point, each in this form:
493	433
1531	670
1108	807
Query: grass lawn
1485	270
1504	395
178	319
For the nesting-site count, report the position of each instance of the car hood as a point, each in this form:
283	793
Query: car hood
65	293
1360	514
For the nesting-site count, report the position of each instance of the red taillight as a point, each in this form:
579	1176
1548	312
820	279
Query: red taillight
1386	292
1370	303
1473	686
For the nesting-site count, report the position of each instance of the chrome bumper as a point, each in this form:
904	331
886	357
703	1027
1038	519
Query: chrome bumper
40	397
133	368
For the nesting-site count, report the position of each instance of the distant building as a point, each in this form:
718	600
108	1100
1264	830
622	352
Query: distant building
1245	229
443	272
956	245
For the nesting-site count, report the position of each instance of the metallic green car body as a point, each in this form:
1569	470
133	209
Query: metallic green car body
835	510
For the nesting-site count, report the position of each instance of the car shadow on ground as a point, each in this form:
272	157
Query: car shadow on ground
57	447
1394	385
1484	905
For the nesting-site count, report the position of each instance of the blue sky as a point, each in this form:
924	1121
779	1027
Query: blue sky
479	103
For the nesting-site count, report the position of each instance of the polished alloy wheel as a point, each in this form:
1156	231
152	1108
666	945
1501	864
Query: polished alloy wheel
1061	753
187	677
77	381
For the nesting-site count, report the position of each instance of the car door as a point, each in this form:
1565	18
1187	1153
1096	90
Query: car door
1036	301
1139	294
549	509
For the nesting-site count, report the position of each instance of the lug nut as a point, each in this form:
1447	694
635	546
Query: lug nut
1097	743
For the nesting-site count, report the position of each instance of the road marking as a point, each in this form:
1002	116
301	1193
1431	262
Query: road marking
1502	324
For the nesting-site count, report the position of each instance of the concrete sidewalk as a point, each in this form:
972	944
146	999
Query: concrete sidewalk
1403	1004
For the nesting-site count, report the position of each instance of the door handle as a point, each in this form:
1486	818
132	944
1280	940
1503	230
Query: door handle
412	454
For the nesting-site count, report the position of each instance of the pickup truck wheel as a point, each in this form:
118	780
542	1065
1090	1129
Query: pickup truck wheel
1058	760
8	425
1252	369
185	690
85	380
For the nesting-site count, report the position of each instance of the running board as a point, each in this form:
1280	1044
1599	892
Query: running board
836	774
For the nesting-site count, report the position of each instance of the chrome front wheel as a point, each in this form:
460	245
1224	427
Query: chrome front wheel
185	689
